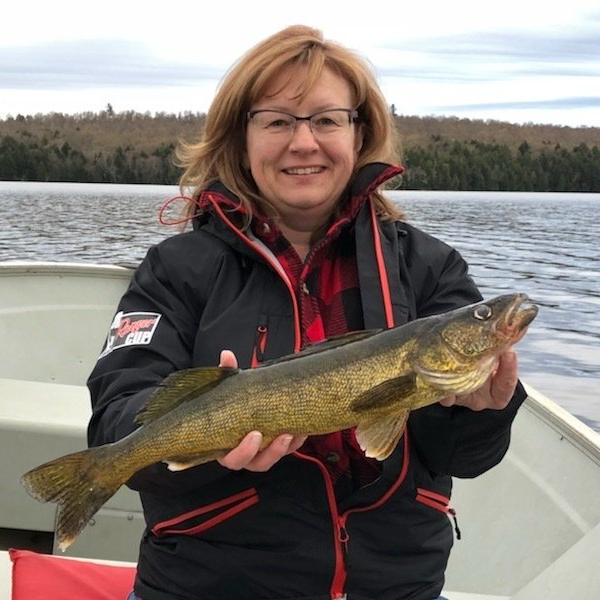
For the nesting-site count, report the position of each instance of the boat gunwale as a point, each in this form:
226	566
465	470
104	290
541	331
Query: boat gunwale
567	425
12	268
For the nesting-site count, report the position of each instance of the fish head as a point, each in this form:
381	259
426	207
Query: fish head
460	351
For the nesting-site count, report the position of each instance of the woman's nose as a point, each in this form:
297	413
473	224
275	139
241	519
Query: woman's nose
303	136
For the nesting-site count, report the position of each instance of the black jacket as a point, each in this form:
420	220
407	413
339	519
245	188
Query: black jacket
217	534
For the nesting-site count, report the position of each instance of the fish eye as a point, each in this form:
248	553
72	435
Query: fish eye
483	312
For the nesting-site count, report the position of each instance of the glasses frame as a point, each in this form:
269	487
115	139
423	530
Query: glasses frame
352	116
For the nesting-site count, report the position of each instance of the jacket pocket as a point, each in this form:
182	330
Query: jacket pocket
438	502
433	500
208	516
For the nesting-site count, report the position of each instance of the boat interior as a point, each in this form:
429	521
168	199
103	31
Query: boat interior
530	527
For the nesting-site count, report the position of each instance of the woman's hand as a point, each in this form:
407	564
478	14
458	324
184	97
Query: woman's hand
496	392
248	454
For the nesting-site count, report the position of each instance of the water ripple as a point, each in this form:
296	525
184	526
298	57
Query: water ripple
545	245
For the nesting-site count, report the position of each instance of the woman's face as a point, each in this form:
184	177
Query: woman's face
302	174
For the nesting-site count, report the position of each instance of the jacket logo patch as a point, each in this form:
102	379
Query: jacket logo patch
130	329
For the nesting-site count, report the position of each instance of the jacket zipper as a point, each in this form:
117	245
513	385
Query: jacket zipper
341	537
260	344
270	259
441	503
221	510
381	267
340	534
338	584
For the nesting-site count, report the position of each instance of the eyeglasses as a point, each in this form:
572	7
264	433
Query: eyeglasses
281	124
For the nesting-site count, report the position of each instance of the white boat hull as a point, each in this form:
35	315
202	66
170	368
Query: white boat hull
530	527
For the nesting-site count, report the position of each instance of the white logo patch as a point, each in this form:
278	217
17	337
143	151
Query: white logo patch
130	329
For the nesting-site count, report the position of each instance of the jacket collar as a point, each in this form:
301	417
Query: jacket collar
372	236
366	180
371	176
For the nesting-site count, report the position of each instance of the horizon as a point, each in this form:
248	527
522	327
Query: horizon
517	62
182	114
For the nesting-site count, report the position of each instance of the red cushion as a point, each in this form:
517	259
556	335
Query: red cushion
43	576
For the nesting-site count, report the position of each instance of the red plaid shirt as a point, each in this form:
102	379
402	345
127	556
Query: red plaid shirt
328	294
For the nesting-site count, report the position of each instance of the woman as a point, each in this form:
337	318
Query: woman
293	243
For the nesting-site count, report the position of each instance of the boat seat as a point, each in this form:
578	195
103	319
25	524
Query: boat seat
41	421
38	422
54	318
26	575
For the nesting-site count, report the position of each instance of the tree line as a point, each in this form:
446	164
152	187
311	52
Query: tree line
439	154
454	165
36	160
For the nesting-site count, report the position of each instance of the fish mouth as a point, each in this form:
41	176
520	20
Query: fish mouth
517	317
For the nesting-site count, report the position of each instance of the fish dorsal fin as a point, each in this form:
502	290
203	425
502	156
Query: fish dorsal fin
180	387
397	392
379	437
328	344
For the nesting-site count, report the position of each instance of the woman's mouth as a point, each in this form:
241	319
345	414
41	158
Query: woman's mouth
303	170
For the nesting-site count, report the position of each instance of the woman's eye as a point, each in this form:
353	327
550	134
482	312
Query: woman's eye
278	123
327	123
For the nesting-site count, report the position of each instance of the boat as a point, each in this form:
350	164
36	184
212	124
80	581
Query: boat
530	526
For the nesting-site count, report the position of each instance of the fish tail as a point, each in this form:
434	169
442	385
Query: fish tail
80	483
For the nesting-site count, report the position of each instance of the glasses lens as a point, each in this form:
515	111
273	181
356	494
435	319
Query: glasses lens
330	121
273	121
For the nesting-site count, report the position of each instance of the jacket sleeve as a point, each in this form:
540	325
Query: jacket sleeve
456	440
128	370
461	442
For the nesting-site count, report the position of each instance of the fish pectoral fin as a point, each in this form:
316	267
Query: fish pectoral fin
395	392
180	387
378	438
187	462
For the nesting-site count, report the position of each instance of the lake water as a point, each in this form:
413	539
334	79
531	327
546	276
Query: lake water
546	245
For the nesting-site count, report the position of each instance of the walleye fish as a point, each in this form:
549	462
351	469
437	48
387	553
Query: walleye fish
371	380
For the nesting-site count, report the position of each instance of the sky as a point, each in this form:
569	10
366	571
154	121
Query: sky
521	61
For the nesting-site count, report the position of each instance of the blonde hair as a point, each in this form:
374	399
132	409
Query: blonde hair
220	154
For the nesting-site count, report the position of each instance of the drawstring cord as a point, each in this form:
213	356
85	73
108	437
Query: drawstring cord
167	203
202	203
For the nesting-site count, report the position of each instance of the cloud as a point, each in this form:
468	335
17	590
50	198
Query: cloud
488	56
568	103
543	66
94	64
535	46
